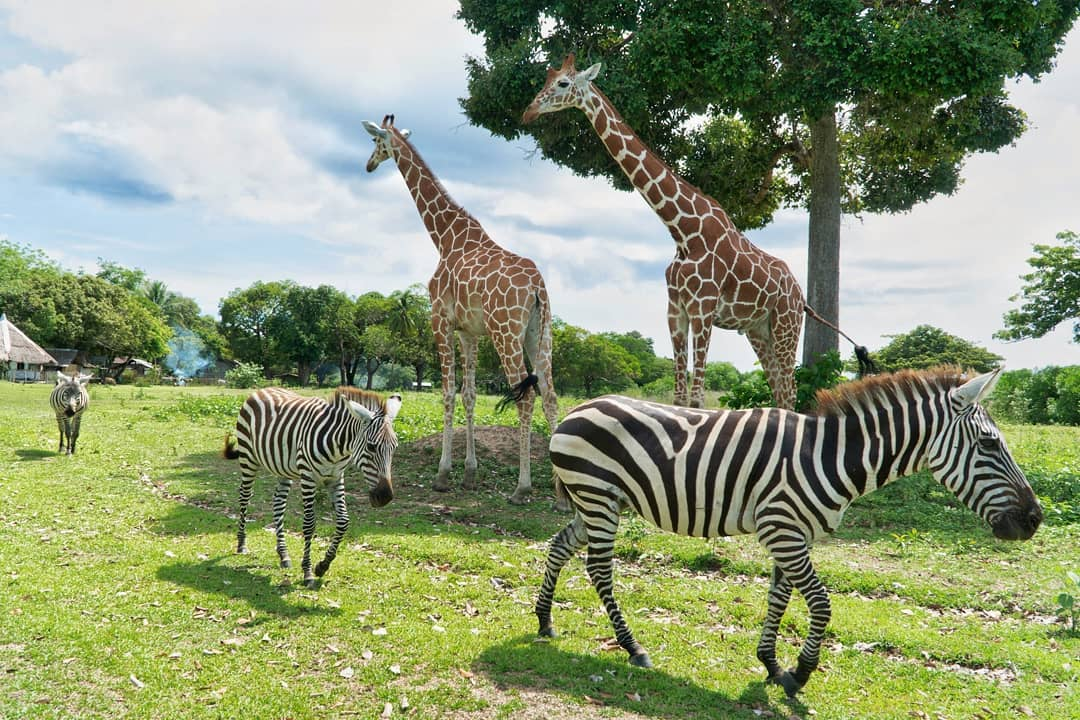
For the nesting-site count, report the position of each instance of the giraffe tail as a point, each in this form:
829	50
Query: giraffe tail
517	392
866	365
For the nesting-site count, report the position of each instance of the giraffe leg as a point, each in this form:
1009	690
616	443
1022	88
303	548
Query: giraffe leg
468	399
525	412
779	372
701	330
341	523
562	547
441	328
791	555
281	497
538	348
678	326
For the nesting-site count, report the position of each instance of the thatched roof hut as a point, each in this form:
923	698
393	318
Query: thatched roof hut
22	356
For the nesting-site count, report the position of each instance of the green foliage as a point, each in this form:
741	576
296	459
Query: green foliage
1069	604
1051	293
823	374
244	375
1050	395
721	376
197	408
927	346
248	317
590	364
751	391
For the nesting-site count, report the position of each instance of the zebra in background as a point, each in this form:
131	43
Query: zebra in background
69	399
312	440
784	476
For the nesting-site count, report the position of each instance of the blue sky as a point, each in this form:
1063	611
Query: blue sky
211	151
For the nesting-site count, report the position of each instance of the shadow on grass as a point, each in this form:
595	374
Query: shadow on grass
524	663
35	454
246	583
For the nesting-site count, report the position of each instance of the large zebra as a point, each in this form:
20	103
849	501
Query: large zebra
784	476
69	399
312	440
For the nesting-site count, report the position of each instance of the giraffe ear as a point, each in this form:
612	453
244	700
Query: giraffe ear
405	133
588	74
374	130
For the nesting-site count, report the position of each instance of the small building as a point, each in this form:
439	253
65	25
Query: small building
21	359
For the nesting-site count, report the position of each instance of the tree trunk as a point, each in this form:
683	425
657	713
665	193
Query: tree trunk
823	264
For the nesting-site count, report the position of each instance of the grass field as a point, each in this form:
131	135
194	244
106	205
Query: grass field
120	595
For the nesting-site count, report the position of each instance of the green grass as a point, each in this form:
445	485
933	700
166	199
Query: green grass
120	595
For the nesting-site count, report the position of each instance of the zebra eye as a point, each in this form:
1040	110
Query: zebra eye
988	444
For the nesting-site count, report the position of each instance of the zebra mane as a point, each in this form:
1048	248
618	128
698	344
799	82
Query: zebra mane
372	401
874	390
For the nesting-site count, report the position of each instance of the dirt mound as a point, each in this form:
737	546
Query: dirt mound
498	441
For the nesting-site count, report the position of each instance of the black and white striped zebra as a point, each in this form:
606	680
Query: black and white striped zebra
311	440
784	476
69	400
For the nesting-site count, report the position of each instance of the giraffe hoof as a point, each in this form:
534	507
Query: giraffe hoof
441	485
519	498
641	660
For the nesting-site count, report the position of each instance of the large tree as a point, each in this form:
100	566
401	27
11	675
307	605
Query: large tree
1051	292
247	316
830	105
927	346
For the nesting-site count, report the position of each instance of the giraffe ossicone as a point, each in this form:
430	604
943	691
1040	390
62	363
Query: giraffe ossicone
478	288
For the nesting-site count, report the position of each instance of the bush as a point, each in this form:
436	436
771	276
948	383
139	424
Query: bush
1050	396
244	375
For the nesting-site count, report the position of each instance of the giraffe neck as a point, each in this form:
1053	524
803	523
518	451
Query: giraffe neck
437	209
667	194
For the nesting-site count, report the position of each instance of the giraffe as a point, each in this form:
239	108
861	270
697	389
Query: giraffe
718	277
478	288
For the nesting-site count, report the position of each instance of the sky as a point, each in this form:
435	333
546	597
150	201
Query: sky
216	144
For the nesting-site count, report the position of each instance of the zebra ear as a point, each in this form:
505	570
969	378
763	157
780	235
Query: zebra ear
61	377
978	387
393	405
83	379
360	412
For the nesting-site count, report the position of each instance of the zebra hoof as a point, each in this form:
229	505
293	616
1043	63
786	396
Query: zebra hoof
548	632
241	550
286	563
310	583
787	681
641	660
321	569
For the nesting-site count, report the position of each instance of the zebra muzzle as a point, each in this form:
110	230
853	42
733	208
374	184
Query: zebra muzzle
381	494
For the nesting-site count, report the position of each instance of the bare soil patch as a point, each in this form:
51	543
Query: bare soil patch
498	441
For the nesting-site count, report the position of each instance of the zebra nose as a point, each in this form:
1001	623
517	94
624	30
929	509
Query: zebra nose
1034	518
381	494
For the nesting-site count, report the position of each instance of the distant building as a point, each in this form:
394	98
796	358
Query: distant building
21	359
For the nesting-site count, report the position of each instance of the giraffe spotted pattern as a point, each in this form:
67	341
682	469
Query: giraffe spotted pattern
478	288
718	278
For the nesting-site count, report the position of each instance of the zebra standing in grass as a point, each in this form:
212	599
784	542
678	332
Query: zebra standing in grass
784	476
312	440
69	399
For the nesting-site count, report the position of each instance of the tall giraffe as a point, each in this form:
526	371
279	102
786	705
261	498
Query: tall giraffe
478	288
718	277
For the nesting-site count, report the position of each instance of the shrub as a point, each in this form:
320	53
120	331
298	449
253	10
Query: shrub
244	375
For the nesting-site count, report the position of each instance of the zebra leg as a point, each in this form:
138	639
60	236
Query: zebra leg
601	542
75	422
281	497
794	563
779	596
307	496
246	480
562	547
63	434
341	524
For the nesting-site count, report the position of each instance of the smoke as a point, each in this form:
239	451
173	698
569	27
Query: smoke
187	354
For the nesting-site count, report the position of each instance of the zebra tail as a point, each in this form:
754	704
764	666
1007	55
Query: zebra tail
229	452
866	365
517	392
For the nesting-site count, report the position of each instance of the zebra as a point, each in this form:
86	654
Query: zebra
309	439
784	476
69	399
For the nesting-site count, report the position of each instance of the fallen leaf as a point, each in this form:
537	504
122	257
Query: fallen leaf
404	703
467	674
379	631
387	710
367	654
396	669
593	701
470	611
136	682
438	628
346	672
633	696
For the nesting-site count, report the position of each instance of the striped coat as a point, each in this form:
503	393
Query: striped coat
69	400
784	476
309	439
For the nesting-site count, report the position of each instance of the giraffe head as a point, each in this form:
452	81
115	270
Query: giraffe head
385	136
565	87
